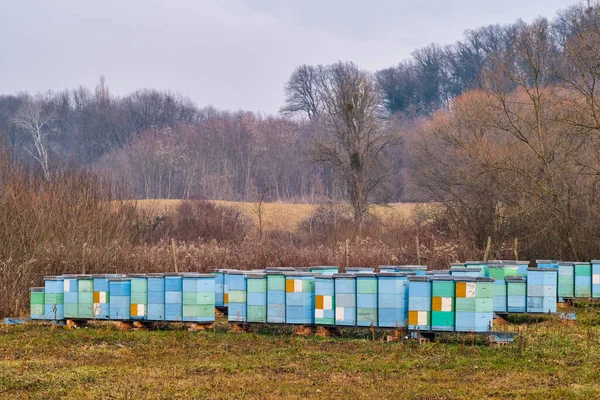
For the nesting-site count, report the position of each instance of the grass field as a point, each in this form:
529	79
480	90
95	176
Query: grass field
551	360
278	216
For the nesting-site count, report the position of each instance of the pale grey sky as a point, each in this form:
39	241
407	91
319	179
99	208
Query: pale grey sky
231	54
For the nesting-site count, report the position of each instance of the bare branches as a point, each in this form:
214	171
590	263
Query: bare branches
359	140
34	117
302	93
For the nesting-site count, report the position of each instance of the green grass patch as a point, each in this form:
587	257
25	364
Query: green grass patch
553	359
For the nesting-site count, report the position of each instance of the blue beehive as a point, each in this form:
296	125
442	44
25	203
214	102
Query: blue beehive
392	292
438	272
325	269
596	279
120	297
359	270
324	300
541	290
482	265
345	299
101	297
388	268
198	292
219	287
299	298
417	269
54	298
275	297
236	281
366	300
419	303
467	271
516	294
71	296
156	297
173	296
522	268
546	264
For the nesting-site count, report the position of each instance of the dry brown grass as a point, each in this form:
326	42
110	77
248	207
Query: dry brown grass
277	216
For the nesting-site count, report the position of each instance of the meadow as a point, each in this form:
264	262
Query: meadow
277	216
551	359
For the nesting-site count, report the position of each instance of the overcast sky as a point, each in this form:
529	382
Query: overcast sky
231	54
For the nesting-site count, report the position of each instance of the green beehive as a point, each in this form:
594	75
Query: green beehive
37	303
85	297
442	303
566	280
583	280
256	292
366	300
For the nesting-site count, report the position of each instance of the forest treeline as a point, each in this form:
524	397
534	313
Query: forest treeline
158	144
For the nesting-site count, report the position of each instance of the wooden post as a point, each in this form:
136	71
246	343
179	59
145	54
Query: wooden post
418	251
174	257
83	259
487	248
516	249
347	255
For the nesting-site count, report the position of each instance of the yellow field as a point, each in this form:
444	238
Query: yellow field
277	216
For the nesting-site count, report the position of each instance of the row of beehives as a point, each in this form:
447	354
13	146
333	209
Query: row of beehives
173	297
188	297
407	297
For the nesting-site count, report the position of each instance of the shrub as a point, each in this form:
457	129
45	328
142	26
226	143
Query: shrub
203	220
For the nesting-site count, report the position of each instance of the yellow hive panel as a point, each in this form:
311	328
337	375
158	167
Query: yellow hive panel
436	303
133	309
289	286
461	289
319	302
226	298
96	297
413	318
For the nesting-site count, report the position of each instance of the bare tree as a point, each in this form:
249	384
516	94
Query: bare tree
35	117
302	91
358	141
